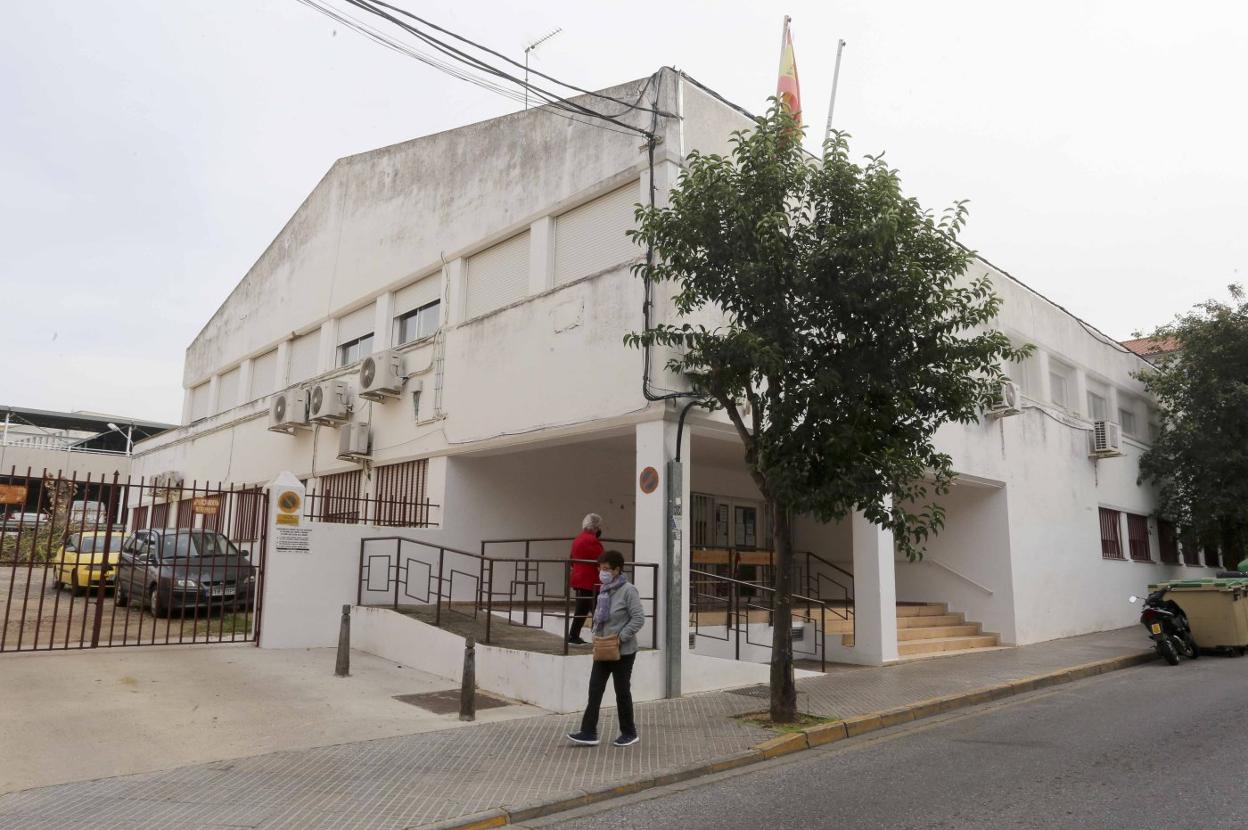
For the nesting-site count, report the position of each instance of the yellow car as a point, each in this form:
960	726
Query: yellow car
80	562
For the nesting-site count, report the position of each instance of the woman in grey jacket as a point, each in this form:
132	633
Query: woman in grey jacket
618	611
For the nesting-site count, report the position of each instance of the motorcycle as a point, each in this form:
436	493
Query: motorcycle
1167	627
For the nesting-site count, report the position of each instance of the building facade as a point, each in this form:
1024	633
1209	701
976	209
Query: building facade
490	265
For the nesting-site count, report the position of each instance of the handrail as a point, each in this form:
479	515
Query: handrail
734	613
526	572
961	576
420	542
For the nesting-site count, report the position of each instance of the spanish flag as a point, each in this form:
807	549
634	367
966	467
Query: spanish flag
787	88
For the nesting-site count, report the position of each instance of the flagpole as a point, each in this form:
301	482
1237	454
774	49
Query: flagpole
836	77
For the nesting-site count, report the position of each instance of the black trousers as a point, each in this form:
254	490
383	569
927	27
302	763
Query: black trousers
581	611
621	672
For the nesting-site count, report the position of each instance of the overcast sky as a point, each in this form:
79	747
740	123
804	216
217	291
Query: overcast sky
152	149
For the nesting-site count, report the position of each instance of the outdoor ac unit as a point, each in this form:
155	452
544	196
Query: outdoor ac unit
381	376
1106	439
329	402
355	441
289	411
1008	400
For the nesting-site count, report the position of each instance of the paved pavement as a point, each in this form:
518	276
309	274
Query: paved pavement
1148	747
71	716
410	781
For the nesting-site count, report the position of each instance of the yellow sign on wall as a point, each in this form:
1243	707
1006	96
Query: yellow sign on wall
288	504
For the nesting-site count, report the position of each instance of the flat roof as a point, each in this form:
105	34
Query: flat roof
85	421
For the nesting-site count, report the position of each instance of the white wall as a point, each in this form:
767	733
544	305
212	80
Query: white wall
968	564
553	682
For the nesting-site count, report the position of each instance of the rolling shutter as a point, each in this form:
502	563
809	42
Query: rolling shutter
591	238
498	276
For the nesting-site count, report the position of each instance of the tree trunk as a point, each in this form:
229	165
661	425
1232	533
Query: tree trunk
783	690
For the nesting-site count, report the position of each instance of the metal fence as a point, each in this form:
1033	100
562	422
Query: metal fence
112	561
519	592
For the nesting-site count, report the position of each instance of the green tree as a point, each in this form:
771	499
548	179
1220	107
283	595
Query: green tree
849	326
1199	459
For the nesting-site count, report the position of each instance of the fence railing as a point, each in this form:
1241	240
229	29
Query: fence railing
368	510
113	561
734	611
523	592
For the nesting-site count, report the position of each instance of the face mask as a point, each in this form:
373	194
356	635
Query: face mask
604	576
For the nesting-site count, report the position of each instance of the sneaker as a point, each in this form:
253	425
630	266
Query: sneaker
583	738
626	740
577	641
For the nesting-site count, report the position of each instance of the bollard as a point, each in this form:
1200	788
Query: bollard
468	688
342	667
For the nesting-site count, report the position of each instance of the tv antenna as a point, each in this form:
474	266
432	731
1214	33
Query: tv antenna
529	49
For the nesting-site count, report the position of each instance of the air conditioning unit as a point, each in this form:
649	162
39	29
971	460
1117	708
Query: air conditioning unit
288	411
329	402
355	441
1008	401
1106	439
381	376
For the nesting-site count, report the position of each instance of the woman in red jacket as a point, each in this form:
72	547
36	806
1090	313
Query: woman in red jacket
584	580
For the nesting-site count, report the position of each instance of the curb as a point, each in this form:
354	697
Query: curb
786	744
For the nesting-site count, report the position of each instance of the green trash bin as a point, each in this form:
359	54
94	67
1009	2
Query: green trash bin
1216	609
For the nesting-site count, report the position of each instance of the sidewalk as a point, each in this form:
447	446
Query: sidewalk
416	780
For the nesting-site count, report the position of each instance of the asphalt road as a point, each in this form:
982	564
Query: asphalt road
1150	747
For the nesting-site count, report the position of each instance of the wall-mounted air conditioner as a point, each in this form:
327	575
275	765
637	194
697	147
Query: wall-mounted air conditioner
1008	400
381	376
355	441
1106	439
329	402
288	411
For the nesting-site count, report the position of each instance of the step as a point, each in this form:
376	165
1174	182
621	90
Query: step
924	622
938	632
930	609
947	644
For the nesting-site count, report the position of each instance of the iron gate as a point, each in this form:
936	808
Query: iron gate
115	562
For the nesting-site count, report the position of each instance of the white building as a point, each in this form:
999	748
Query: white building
493	259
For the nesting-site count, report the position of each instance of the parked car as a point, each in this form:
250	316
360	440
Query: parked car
15	523
79	564
169	570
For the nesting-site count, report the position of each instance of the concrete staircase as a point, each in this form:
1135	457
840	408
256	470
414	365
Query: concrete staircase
925	630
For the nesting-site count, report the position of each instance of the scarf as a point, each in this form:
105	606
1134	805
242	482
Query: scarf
603	609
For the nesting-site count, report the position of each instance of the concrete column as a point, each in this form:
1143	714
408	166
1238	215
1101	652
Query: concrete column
282	370
187	395
214	395
541	255
327	357
383	323
656	446
244	380
1044	384
1080	393
456	292
875	593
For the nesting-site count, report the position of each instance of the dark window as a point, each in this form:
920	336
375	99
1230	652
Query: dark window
338	499
186	514
1168	539
400	495
250	511
353	350
1111	540
1137	538
420	323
